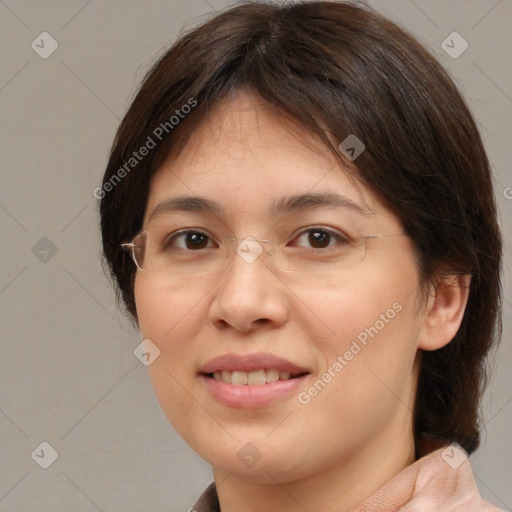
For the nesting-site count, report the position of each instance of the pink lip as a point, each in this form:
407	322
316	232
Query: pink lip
251	363
247	396
251	397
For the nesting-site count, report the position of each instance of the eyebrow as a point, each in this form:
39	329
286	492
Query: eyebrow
296	202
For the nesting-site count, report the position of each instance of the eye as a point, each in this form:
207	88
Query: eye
321	238
187	239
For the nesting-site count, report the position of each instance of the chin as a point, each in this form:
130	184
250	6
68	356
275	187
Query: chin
246	462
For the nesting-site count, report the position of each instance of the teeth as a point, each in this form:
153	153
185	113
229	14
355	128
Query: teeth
239	378
272	375
257	378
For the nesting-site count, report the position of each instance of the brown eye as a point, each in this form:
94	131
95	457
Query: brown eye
189	240
319	238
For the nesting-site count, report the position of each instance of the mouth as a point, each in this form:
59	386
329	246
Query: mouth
253	378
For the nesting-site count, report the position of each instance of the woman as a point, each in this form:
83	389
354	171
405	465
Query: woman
298	214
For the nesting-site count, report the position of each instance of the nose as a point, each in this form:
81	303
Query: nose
250	294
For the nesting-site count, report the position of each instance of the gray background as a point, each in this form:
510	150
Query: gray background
68	373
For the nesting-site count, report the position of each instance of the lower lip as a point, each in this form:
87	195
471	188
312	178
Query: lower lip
251	397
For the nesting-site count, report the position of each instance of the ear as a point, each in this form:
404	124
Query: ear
444	311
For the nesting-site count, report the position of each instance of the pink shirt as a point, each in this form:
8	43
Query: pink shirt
439	482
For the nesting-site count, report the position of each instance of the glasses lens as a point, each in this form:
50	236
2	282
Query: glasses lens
162	249
138	250
309	260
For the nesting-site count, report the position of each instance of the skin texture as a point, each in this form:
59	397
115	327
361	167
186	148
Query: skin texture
353	436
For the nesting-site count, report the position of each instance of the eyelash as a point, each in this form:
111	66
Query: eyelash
337	236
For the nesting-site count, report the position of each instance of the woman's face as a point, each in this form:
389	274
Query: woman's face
348	336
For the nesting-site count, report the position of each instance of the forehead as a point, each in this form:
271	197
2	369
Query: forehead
246	157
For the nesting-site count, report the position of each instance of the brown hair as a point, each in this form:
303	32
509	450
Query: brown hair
339	69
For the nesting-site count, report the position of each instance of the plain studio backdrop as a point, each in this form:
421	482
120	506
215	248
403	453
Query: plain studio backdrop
69	376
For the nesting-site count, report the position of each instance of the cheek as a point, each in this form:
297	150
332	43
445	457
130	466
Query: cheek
171	319
361	306
168	314
371	330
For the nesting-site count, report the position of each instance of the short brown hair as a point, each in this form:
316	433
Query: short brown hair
341	69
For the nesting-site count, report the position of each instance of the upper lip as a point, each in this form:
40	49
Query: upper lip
251	363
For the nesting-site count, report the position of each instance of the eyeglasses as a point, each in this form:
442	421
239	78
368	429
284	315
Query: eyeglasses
156	250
